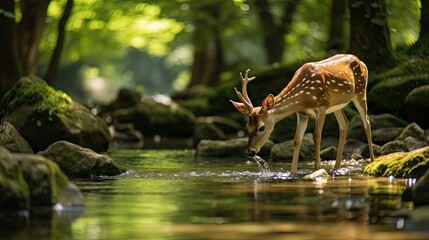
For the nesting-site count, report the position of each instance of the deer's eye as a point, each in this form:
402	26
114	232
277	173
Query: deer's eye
261	129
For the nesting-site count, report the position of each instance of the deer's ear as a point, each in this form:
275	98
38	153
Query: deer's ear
268	103
240	107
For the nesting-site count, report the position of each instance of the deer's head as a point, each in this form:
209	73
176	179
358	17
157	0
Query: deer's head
260	124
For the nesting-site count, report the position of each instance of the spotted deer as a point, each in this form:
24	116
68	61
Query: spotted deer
316	89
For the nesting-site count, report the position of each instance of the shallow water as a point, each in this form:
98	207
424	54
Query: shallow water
167	194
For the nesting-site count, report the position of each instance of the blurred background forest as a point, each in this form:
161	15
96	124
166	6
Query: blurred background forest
166	46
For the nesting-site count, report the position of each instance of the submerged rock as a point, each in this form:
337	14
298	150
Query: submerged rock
43	115
77	161
319	174
229	148
400	164
12	140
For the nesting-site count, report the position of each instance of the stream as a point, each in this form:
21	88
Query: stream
168	194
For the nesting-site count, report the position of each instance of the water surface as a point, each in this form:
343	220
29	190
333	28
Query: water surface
167	194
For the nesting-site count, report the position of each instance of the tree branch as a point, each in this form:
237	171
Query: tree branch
54	65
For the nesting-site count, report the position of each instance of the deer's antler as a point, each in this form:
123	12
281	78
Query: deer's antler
243	96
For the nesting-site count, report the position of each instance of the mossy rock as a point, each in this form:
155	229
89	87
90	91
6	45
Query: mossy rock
400	164
154	118
380	121
416	102
389	94
48	185
14	191
43	115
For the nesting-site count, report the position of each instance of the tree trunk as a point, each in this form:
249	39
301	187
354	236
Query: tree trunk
10	70
208	52
369	33
30	30
273	34
336	28
424	19
54	65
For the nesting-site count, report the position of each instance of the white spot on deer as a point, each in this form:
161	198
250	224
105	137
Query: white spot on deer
318	81
321	89
312	88
314	97
314	74
296	102
308	93
340	84
302	91
336	89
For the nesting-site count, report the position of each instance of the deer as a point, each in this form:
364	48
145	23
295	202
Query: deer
315	90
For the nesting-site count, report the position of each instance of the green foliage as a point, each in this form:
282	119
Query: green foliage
101	34
403	18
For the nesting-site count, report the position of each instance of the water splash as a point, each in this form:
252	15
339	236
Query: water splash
263	166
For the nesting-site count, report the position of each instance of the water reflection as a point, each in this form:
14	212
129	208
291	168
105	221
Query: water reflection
167	194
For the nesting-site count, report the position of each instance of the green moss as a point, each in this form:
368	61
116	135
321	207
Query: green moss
389	94
30	90
400	164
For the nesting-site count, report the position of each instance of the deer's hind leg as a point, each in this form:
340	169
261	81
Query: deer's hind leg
360	103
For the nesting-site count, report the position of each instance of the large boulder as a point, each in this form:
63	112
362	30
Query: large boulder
400	164
12	140
77	161
43	115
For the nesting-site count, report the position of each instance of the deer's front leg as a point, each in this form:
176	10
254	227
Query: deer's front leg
301	126
317	136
